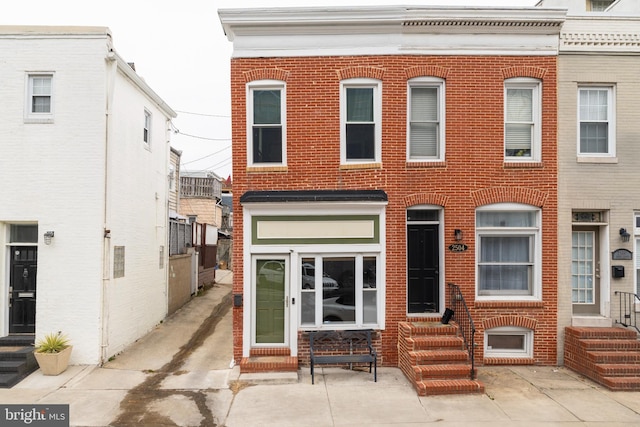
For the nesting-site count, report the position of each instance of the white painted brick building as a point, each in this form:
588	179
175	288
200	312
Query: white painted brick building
84	154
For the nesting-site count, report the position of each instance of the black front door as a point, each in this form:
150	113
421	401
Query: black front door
423	263
22	311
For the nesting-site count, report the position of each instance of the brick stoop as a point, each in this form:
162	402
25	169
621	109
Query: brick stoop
608	356
269	360
16	359
432	356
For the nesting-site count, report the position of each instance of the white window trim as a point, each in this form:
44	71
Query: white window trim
439	84
266	85
536	291
148	117
29	116
376	85
536	137
525	353
611	99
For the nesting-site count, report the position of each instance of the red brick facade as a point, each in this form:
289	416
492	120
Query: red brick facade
473	174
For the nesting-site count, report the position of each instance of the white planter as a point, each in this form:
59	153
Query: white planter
53	363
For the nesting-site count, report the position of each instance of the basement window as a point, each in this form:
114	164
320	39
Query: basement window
507	341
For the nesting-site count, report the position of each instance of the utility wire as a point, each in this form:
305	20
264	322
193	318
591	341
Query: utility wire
203	114
208	155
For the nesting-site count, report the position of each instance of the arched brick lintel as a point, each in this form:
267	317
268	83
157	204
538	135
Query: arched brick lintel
519	321
425	199
528	196
524	71
360	72
427	71
266	74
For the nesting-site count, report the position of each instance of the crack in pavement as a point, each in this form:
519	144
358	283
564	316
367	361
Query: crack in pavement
134	408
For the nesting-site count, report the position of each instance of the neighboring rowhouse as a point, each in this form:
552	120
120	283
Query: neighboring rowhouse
84	164
388	152
598	199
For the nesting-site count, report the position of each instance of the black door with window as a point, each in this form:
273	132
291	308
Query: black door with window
423	263
22	311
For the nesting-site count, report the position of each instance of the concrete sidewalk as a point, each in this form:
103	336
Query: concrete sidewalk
180	374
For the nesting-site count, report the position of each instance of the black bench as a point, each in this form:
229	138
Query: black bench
342	347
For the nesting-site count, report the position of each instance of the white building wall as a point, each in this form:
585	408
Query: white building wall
52	175
86	172
137	215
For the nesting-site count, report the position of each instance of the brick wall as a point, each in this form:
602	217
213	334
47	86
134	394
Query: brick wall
474	172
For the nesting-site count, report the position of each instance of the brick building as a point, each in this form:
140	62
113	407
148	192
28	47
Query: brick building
388	152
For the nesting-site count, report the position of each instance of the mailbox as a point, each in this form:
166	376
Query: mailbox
617	271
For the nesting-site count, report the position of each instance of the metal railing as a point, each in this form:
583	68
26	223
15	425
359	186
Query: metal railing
627	315
462	317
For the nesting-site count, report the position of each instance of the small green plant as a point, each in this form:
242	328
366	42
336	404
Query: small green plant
52	343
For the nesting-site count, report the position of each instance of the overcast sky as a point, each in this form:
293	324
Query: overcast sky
179	48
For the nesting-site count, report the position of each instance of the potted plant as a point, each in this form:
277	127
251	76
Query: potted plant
52	353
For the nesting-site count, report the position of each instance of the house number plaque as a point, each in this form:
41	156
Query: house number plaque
458	247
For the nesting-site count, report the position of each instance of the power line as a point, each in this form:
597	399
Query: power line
203	114
208	155
201	137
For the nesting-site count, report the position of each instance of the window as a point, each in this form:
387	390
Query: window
599	5
348	295
266	119
522	130
426	119
360	121
23	233
39	106
118	261
161	260
508	342
596	127
508	256
146	133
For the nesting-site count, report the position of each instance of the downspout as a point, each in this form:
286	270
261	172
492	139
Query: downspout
111	70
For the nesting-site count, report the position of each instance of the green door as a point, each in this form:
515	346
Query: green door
270	315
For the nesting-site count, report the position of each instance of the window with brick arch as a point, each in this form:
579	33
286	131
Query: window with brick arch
509	252
266	118
361	121
425	116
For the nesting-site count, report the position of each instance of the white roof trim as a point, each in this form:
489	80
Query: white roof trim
392	30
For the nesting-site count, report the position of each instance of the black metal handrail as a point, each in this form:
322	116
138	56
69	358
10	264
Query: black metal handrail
464	322
627	312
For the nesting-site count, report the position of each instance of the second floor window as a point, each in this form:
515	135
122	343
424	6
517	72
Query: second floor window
522	131
146	133
596	126
426	119
39	103
361	121
266	116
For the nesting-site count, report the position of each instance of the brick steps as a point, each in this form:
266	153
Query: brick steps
433	358
269	360
608	356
